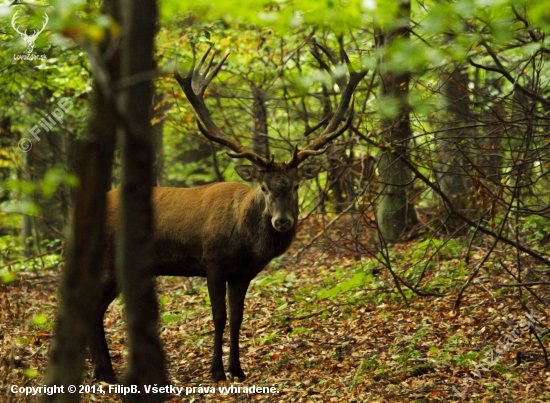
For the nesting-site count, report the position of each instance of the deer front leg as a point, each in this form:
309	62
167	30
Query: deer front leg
237	292
216	290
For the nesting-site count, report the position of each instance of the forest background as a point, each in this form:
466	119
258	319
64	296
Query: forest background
423	240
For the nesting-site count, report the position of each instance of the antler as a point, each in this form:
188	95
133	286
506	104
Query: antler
333	128
194	85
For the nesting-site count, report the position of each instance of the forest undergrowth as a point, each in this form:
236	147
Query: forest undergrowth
327	326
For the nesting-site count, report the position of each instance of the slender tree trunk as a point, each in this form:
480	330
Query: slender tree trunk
334	157
492	148
158	139
523	154
79	291
452	171
396	214
337	159
26	222
135	252
261	141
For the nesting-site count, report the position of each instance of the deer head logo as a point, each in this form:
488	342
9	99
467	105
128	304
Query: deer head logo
28	39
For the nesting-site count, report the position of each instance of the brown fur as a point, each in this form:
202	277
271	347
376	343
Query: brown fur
224	232
215	225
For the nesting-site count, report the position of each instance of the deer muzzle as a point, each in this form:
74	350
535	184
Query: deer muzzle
282	223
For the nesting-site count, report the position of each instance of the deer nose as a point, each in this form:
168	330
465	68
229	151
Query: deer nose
283	224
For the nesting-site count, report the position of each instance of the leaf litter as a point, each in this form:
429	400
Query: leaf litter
328	327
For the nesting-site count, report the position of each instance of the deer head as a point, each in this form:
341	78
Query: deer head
278	181
28	39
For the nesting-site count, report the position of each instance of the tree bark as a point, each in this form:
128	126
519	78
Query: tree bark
452	171
26	222
261	141
79	290
135	252
396	214
158	140
492	148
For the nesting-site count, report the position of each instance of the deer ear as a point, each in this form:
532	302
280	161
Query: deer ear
246	172
309	171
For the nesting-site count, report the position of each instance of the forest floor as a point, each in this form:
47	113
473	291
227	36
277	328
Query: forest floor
329	326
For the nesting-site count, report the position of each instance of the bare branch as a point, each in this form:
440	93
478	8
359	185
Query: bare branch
334	127
501	70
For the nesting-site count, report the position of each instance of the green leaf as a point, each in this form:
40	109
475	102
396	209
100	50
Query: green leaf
344	286
7	277
169	318
281	307
31	373
39	319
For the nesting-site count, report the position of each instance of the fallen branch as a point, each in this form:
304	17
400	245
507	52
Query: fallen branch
525	284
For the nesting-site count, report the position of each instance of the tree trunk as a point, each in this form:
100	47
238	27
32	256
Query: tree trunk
492	147
79	291
452	172
135	252
26	221
396	214
158	140
261	141
523	156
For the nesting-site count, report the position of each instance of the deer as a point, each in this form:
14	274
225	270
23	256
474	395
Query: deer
226	232
29	39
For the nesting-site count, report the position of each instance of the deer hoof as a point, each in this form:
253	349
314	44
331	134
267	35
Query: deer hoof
106	376
218	375
237	373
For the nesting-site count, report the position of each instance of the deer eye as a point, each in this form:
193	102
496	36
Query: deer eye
264	189
296	187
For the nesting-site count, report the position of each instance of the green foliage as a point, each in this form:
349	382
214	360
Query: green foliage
53	180
536	229
357	280
168	318
13	260
411	352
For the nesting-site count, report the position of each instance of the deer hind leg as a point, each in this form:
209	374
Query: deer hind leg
237	292
217	290
103	368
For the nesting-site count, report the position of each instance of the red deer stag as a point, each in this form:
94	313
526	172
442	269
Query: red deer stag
226	232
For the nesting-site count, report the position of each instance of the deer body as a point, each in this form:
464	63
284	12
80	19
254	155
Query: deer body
226	232
194	225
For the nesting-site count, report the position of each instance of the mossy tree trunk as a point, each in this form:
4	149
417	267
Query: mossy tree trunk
395	211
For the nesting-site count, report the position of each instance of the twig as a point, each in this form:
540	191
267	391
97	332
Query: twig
525	284
501	70
469	250
32	257
541	345
480	265
470	222
515	278
385	254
